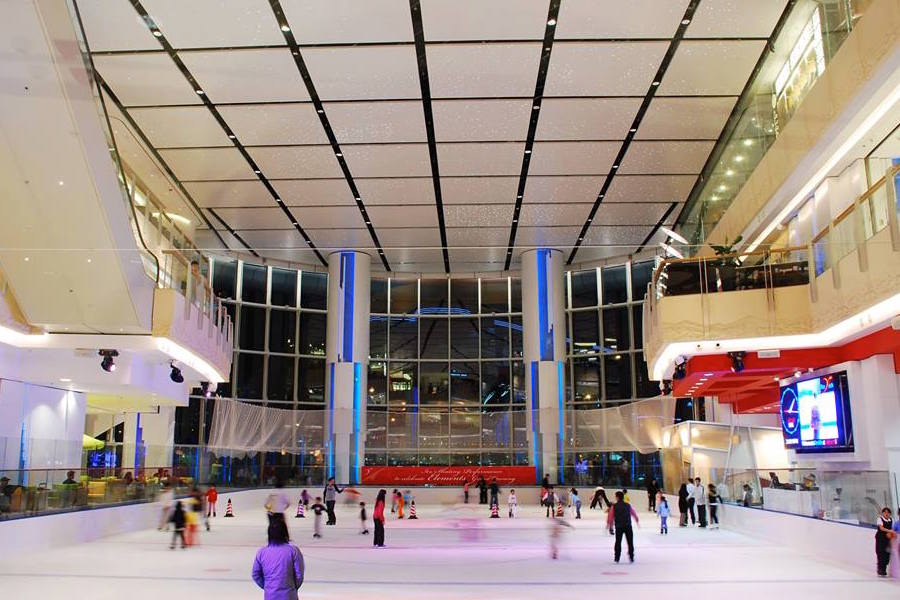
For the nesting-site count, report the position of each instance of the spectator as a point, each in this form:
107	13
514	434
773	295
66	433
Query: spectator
278	568
70	478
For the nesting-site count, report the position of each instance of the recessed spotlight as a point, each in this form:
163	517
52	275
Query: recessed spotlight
199	92
65	379
157	33
285	28
321	111
338	154
528	152
231	136
515	220
357	198
748	142
685	21
633	129
655	83
519	197
257	171
27	259
723	188
368	222
536	107
294	223
61	182
278	200
713	197
90	260
729	172
739	158
615	166
551	22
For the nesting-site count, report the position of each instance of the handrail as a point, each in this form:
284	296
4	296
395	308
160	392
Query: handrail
871	191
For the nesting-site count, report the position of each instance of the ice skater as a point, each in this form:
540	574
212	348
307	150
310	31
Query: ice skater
364	527
557	528
482	490
278	567
178	521
550	501
883	537
683	496
318	508
378	517
304	498
662	509
699	495
394	500
652	490
512	504
495	492
575	500
600	498
620	516
212	495
167	503
400	503
330	493
465	492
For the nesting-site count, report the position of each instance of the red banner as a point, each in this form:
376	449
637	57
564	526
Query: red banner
453	476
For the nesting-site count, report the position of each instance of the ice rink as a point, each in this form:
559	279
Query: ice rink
449	552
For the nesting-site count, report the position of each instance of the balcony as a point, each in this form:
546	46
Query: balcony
843	283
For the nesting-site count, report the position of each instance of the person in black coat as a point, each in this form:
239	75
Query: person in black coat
482	491
652	488
683	505
495	492
178	520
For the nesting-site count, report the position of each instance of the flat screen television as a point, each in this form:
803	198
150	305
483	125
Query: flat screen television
815	414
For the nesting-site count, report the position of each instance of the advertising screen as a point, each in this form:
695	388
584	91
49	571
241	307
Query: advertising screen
815	414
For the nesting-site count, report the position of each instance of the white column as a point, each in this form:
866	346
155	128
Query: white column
544	332
347	360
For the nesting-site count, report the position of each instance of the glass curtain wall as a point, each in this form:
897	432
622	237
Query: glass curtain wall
605	364
446	377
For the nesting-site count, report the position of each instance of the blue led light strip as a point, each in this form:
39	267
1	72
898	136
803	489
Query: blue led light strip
357	420
348	275
330	439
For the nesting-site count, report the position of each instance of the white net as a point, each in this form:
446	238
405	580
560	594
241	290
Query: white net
241	428
635	426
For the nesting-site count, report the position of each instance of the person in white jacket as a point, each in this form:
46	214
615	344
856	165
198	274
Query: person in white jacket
512	504
699	495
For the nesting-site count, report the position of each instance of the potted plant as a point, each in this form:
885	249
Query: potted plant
725	267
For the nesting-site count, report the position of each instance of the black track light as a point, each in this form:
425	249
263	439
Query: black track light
176	375
737	361
108	363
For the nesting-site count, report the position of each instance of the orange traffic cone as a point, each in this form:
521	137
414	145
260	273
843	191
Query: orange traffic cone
229	512
495	511
412	510
559	509
301	511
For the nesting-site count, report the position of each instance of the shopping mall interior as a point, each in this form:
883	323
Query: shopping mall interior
529	249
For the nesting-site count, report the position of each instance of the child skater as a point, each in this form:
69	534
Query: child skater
318	508
400	502
557	527
364	530
512	504
178	521
394	501
662	509
304	498
576	502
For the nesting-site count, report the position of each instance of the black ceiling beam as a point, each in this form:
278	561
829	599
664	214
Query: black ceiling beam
660	223
161	38
629	137
415	11
543	67
291	42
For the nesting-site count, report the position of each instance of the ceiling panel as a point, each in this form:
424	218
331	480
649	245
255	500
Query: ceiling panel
478	236
649	188
312	192
603	235
349	21
229	193
482	215
364	72
417	215
665	157
560	237
478	190
368	122
206	240
619	20
483	70
685	118
562	189
586	254
481	120
643	213
297	162
454	20
215	23
144	79
328	217
180	126
586	118
115	26
711	67
414	259
537	215
404	237
343	239
479	256
579	158
735	18
268	239
603	68
388	160
480	159
269	124
245	75
254	218
417	190
207	163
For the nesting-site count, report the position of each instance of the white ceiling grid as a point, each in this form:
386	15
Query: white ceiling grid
482	61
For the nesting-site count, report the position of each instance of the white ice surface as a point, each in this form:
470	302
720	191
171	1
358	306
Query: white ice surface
449	552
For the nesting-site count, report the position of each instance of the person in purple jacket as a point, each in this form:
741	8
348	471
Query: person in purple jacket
278	568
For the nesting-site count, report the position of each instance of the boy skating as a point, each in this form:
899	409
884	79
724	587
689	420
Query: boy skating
318	508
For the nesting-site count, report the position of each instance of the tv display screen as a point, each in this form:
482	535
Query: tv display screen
815	414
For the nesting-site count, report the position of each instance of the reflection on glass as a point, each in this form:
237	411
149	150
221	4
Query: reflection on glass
464	383
584	288
464	337
311	381
495	383
377	381
641	273
434	337
434	383
249	375
312	333
465	428
464	296
518	369
313	290
224	277
616	336
495	337
282	334
402	384
378	302
404	296
617	383
495	295
585	334
253	328
253	286
516	336
378	327
613	283
646	388
586	379
284	287
404	337
433	294
280	383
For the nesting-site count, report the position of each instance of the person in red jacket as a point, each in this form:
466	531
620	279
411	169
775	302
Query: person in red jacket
378	517
211	496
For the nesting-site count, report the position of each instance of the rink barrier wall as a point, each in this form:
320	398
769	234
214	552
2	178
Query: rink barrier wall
840	543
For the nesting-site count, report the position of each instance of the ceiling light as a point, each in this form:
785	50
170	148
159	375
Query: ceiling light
231	136
199	92
368	222
748	142
519	197
90	260
108	363
633	129
176	375
675	236
615	166
321	111
285	28
528	152
739	158
685	21
737	361
670	250
536	107
723	188
729	172
27	259
157	33
206	389
551	22
61	182
257	171
655	83
713	198
338	154
65	379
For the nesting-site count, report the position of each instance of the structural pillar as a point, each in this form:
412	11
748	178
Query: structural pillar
347	358
544	332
